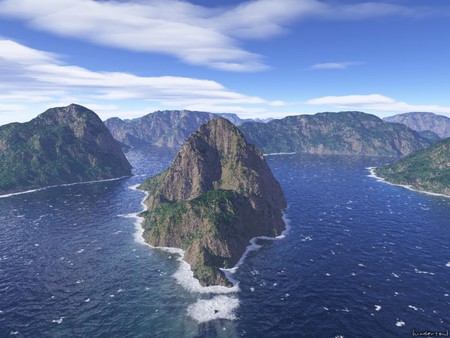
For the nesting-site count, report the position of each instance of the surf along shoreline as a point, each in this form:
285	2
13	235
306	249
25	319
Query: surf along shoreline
409	187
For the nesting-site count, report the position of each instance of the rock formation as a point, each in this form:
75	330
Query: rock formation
217	195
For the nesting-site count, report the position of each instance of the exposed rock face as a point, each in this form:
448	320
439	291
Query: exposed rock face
334	133
217	195
420	121
62	145
426	170
168	128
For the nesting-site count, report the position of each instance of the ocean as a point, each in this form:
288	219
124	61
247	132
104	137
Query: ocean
360	258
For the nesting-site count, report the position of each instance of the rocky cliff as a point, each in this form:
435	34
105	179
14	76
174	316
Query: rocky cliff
218	194
334	133
426	170
420	121
62	145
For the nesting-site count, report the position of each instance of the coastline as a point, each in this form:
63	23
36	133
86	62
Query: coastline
275	154
381	179
184	275
60	185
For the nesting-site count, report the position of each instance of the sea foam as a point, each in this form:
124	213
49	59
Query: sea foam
218	307
380	179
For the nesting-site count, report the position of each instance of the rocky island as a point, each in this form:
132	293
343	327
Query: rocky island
218	194
426	170
62	145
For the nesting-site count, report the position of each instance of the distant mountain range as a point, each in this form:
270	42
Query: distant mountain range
426	170
323	133
438	124
169	128
62	145
334	133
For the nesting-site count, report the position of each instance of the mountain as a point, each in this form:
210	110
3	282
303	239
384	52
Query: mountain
426	170
334	133
218	194
438	124
169	128
62	145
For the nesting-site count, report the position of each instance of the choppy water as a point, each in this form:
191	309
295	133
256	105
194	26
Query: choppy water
361	259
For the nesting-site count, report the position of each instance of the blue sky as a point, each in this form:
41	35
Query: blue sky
260	58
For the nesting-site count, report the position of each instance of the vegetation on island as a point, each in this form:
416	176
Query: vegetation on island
425	170
62	145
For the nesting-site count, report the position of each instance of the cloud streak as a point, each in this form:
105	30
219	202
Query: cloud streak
374	103
195	34
35	77
334	65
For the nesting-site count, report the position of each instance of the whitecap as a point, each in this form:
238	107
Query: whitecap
377	307
400	323
413	307
424	272
448	264
218	307
395	275
58	321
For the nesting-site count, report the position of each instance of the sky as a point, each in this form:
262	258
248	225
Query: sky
258	58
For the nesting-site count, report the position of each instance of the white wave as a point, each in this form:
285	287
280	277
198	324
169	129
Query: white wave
218	307
377	307
380	179
424	272
400	323
413	307
58	321
60	185
275	154
395	275
448	264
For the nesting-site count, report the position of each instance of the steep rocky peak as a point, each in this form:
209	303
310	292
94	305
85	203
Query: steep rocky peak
217	156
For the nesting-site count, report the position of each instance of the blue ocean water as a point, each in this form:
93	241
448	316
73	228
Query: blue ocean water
361	259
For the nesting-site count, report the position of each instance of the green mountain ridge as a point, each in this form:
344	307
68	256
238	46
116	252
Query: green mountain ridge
218	194
62	145
334	133
425	170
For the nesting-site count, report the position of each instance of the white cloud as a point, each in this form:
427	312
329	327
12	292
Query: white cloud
334	65
374	103
41	79
194	34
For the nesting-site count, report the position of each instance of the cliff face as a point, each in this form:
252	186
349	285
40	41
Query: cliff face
334	133
168	128
420	121
62	145
426	170
217	195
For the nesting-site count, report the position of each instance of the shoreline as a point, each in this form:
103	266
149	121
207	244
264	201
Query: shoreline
381	179
184	275
60	185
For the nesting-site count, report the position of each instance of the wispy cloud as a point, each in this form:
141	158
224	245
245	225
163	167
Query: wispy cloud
334	65
195	34
35	77
374	103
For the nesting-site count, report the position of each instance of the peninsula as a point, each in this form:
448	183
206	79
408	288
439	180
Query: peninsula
425	170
